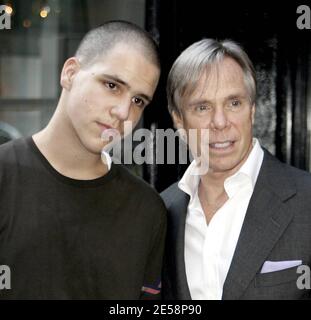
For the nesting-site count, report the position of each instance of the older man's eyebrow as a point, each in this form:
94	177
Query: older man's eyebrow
196	102
236	96
124	83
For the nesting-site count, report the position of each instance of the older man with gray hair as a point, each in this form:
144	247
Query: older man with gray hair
241	229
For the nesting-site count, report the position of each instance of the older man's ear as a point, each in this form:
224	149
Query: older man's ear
177	120
253	113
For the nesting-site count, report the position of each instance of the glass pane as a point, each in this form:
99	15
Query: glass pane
42	34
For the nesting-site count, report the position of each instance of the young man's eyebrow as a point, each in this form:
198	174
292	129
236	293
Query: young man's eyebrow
115	79
145	97
122	82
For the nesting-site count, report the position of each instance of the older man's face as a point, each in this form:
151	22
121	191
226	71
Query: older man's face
221	104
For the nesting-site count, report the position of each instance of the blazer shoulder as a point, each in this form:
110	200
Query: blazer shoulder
169	193
302	178
291	171
283	177
173	195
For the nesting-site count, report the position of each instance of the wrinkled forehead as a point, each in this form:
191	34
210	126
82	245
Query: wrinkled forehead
213	77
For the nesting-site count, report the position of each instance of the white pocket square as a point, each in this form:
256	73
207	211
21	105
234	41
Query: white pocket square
272	266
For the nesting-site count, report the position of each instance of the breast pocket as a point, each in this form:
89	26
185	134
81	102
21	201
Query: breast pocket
276	278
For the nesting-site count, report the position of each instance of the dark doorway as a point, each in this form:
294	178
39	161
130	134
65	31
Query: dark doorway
281	54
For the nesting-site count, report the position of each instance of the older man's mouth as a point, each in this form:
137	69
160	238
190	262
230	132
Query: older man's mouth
221	145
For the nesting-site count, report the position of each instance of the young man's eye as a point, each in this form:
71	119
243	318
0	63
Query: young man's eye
111	85
138	101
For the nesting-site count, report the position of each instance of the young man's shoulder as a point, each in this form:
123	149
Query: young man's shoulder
14	154
139	187
13	150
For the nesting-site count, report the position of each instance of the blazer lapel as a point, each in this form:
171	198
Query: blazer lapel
178	216
265	221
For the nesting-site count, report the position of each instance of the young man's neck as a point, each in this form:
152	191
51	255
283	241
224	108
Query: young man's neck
65	152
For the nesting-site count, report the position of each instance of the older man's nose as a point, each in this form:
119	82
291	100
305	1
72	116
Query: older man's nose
219	119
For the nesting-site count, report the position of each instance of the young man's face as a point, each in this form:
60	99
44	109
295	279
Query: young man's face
113	89
221	104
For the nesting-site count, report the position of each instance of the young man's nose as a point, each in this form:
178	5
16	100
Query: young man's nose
121	109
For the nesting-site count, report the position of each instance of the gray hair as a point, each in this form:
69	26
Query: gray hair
189	66
103	38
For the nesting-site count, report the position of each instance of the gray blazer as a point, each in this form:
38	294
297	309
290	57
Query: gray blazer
277	227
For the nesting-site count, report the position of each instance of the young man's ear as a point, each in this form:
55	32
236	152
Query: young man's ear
70	69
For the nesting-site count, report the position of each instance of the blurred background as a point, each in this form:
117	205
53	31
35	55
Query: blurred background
44	33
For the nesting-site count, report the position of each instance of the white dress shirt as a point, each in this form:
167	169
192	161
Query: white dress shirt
209	248
106	159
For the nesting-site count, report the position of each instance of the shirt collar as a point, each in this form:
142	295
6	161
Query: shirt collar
250	169
106	159
189	182
248	173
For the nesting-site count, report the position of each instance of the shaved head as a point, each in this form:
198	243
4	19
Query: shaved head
99	41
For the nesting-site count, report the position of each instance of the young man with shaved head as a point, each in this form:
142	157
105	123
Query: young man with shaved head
71	225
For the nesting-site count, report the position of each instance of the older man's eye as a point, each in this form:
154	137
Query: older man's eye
201	108
235	103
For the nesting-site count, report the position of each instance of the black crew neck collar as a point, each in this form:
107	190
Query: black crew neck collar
67	180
